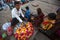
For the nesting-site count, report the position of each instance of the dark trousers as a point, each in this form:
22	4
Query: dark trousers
15	21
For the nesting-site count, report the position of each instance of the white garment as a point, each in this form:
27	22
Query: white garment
16	14
6	25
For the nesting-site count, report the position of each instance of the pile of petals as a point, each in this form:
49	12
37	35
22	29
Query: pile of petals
24	32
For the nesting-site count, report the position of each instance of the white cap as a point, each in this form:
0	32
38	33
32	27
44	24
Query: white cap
17	0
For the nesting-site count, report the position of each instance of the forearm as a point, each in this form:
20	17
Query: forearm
49	27
20	20
22	14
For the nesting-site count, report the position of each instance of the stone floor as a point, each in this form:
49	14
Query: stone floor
53	2
47	6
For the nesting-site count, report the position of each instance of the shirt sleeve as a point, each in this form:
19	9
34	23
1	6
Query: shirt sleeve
21	13
15	15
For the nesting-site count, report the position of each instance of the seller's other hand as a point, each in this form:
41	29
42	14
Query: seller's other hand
23	24
26	19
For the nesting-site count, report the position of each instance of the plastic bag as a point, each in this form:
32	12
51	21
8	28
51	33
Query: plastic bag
6	25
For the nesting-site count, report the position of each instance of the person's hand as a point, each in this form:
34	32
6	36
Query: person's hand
26	19
23	24
32	18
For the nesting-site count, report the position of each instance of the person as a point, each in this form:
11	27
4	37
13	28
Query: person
3	6
0	4
39	19
17	13
58	13
55	31
27	13
10	3
23	1
57	25
49	21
